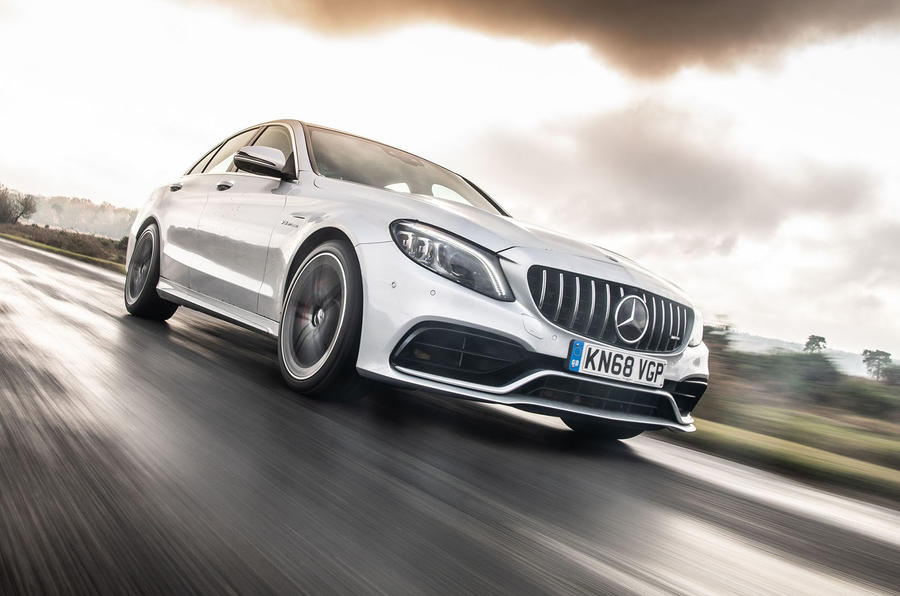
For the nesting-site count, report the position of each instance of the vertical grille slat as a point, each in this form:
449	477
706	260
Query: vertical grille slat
662	326
562	297
678	326
590	318
651	314
669	335
543	288
577	303
680	332
559	301
647	330
605	314
681	318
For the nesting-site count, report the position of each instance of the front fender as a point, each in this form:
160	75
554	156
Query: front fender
302	219
144	212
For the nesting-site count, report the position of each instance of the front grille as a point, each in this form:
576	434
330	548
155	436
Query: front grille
586	306
566	390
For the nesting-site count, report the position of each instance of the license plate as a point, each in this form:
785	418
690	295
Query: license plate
601	361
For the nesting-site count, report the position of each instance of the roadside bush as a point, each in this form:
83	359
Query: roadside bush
811	376
866	398
891	374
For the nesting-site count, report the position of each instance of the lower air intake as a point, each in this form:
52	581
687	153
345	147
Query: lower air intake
600	396
462	353
687	393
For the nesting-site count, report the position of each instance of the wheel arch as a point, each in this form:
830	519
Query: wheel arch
319	236
150	219
132	238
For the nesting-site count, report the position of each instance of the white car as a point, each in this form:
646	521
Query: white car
367	262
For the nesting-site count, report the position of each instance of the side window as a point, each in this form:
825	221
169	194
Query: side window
279	138
198	167
222	159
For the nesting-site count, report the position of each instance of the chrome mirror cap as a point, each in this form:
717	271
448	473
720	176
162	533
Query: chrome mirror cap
265	161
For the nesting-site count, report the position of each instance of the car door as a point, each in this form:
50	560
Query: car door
179	217
236	225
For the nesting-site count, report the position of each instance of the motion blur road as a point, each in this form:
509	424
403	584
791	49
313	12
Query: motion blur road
142	457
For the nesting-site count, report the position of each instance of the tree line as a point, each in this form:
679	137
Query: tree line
878	362
67	213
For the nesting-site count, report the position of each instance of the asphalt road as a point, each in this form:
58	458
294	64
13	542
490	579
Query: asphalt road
166	458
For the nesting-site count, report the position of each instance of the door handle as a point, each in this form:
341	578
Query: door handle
175	187
224	185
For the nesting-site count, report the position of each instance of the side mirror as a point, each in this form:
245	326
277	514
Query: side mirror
265	161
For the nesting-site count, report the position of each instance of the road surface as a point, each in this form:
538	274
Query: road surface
163	458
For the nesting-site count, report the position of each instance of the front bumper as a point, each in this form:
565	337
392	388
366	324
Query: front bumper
399	296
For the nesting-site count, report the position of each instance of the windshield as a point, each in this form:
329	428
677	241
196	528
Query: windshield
346	157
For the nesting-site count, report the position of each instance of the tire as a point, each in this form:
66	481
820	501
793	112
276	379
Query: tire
318	337
595	428
141	298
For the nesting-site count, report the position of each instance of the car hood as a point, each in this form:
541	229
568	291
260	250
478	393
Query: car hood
499	233
537	237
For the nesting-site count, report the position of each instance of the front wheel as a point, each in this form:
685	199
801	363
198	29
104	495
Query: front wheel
142	276
596	428
318	338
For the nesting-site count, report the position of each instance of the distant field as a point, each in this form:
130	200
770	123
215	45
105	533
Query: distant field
98	250
797	413
88	245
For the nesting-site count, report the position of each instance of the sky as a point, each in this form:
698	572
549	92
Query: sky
747	151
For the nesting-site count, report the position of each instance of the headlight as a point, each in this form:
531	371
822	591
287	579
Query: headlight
697	331
454	258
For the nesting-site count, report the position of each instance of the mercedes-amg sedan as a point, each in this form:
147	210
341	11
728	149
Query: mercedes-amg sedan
369	263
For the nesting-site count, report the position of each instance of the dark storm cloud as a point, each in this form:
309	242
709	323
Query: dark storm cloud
651	169
648	37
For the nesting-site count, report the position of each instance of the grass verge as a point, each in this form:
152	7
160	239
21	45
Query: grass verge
111	265
800	461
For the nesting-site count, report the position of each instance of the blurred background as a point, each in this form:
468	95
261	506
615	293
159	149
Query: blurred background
746	150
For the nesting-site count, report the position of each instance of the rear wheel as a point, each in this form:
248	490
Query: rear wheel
599	429
318	338
142	276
